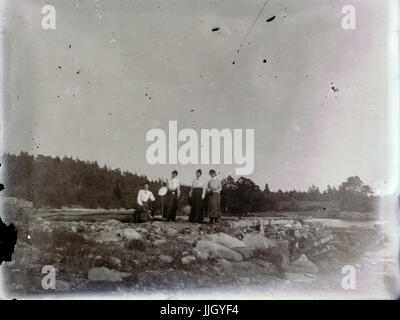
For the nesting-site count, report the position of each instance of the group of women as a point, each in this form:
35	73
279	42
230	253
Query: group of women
204	199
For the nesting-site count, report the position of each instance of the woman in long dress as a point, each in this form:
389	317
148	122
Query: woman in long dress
214	198
196	195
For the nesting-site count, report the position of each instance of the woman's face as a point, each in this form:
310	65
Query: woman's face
198	175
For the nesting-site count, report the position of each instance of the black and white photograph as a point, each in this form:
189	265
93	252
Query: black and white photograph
201	150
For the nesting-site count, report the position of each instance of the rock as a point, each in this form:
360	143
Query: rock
165	259
268	267
244	279
258	241
225	240
170	231
209	249
300	277
283	245
188	259
244	266
277	257
105	274
131	234
10	263
224	263
246	252
159	242
302	265
186	210
109	236
112	222
62	285
115	261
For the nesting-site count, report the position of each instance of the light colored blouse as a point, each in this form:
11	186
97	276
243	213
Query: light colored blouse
198	183
144	195
173	184
214	185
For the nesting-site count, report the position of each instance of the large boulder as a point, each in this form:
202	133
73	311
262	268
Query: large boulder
131	234
225	240
258	241
109	236
302	265
105	274
209	249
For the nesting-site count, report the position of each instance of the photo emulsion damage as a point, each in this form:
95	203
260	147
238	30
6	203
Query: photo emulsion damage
188	149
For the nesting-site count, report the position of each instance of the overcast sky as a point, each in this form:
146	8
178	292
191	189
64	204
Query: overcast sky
84	89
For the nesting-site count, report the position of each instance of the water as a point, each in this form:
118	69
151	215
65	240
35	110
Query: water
379	269
339	223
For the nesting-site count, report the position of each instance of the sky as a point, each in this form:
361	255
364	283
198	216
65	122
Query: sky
112	70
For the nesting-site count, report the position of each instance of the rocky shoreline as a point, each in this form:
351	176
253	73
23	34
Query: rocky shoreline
114	256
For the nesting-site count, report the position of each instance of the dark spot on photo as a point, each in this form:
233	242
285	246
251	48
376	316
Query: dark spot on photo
215	29
8	240
271	19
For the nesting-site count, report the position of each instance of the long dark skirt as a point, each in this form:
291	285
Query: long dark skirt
214	205
196	211
172	205
143	213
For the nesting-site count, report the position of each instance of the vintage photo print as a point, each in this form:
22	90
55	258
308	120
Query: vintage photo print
186	149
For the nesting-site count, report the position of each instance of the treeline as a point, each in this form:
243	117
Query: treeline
57	182
243	195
